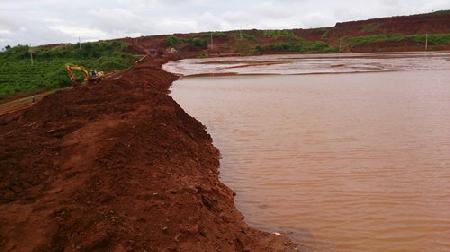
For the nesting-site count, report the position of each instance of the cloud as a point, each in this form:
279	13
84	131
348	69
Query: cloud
54	21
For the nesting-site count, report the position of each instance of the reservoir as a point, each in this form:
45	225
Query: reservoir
342	152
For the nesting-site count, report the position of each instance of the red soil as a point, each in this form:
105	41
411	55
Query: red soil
409	25
229	42
117	166
431	23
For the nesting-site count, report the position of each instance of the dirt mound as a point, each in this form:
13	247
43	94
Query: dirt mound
117	166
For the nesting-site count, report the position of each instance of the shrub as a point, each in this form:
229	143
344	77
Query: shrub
172	41
300	47
278	33
435	39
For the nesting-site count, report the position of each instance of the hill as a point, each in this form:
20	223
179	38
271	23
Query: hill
404	33
18	74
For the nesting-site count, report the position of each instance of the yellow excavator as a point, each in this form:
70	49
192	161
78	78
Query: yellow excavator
91	75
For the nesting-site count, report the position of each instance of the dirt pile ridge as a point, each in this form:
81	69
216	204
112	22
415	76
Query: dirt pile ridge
117	166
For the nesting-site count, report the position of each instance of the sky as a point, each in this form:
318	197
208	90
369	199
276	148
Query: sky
36	22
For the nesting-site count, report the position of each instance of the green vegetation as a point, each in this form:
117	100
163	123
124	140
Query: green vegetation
320	30
325	35
440	12
19	74
216	34
438	39
298	46
435	39
244	35
173	41
370	28
276	34
219	34
249	37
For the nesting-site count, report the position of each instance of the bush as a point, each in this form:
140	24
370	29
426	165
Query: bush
198	42
278	33
300	47
435	39
173	41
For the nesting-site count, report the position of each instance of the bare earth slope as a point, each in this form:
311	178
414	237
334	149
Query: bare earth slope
117	166
231	41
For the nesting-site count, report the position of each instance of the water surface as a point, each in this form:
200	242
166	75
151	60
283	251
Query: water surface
312	63
342	162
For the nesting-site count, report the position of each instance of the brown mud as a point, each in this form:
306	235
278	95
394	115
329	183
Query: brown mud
117	166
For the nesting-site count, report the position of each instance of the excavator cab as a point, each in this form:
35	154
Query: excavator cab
93	74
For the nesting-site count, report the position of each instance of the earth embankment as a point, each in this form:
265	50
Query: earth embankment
117	166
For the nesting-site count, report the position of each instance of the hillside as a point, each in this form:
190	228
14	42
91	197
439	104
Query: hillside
119	165
26	70
405	33
395	34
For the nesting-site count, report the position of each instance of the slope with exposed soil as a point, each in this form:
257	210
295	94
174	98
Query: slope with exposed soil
311	40
319	40
117	166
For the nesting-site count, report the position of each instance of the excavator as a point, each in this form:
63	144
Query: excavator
91	75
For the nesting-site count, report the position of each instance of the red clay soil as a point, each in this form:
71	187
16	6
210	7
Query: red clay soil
117	166
430	23
229	42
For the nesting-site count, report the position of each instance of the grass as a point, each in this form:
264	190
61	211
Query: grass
441	12
19	75
280	34
298	47
435	39
244	35
173	41
320	30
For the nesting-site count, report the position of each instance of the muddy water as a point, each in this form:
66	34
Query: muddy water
312	63
347	162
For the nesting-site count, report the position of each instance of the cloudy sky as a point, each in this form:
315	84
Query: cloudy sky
56	21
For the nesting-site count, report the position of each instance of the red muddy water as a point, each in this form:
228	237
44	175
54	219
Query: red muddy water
342	162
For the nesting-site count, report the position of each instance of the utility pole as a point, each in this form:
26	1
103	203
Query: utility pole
31	57
212	41
426	42
340	44
79	41
242	37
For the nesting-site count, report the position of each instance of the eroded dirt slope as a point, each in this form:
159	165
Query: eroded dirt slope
117	166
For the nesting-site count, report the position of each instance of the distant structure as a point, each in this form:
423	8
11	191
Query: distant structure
211	44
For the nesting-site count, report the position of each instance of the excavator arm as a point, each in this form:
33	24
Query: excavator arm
87	75
70	68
